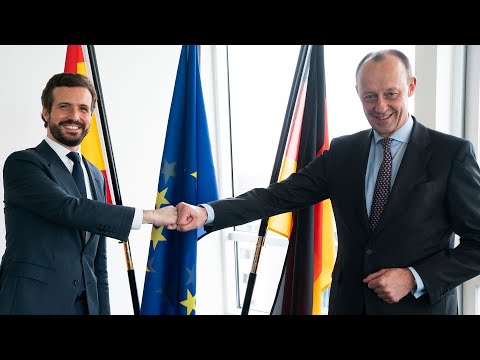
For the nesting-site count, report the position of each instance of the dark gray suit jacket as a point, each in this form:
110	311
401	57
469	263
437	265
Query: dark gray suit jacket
436	194
45	222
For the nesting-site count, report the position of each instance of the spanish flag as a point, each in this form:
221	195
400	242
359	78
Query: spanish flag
93	146
311	253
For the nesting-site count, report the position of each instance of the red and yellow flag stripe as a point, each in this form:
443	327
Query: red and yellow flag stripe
282	223
91	146
324	248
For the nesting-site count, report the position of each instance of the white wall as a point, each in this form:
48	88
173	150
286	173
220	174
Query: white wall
137	83
439	97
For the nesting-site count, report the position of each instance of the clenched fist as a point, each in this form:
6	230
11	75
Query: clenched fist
190	217
165	216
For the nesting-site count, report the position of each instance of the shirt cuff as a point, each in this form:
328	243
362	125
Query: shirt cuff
210	213
420	290
137	219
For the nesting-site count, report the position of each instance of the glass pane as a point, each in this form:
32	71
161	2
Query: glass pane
260	80
269	269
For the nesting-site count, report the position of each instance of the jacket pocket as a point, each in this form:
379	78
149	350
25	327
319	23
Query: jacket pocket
31	271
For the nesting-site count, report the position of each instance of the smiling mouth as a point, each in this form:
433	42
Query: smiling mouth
71	127
384	117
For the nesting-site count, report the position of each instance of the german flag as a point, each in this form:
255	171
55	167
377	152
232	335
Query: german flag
311	253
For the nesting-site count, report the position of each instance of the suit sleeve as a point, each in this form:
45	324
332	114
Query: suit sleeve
300	190
450	268
31	185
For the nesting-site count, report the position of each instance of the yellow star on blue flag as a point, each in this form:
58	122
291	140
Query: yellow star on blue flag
187	174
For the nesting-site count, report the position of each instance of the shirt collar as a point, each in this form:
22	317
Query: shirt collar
402	134
59	149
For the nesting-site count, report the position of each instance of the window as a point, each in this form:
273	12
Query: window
260	78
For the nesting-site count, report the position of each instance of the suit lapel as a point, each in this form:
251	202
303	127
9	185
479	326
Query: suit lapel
412	171
359	166
58	168
95	187
95	182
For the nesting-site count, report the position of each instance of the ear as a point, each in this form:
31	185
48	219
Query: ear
412	86
45	114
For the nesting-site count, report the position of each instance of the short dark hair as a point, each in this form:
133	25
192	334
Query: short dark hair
69	80
378	56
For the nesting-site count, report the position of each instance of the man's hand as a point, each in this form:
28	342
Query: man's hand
165	216
391	285
190	217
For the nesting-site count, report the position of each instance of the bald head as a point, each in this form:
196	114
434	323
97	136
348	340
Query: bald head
381	55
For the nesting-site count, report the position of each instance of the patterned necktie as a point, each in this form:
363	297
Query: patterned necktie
382	185
78	173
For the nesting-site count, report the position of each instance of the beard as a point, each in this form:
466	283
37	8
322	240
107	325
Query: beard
57	132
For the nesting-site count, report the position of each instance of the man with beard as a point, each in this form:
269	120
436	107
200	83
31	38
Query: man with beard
55	260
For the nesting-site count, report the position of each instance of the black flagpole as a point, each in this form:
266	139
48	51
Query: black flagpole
276	170
113	173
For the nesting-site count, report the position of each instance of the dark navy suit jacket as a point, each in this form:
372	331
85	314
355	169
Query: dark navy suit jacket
45	220
436	194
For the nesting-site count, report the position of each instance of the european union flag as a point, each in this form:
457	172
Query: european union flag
186	174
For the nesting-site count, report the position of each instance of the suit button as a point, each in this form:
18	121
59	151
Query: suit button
369	251
76	282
